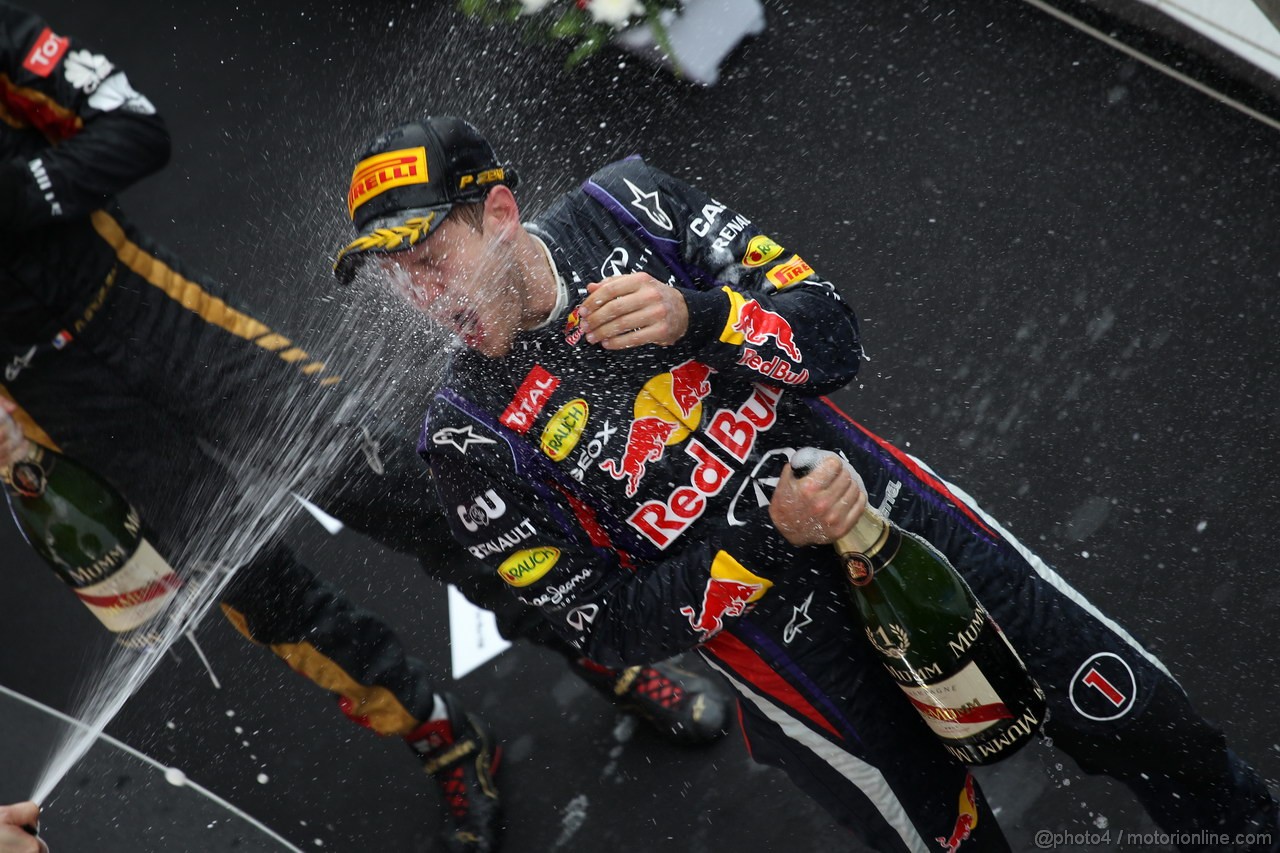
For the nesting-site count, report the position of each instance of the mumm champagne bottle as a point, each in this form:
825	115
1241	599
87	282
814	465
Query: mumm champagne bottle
936	640
92	538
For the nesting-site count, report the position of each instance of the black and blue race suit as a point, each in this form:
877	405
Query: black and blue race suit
625	494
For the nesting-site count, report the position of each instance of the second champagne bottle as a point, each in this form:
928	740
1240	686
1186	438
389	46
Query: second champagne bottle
935	638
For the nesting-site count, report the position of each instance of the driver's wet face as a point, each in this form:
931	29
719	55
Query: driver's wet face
466	280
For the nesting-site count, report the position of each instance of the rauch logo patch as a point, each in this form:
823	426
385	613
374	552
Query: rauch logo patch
525	567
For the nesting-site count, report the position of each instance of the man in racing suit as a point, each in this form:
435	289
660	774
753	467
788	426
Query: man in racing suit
125	359
641	361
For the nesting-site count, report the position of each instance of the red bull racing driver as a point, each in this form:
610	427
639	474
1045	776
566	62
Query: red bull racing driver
640	363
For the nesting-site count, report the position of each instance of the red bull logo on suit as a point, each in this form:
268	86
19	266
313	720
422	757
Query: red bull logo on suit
730	591
667	409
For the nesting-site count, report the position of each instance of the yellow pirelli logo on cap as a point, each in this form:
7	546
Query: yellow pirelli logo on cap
524	567
381	172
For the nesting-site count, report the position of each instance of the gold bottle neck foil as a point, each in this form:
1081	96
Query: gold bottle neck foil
857	547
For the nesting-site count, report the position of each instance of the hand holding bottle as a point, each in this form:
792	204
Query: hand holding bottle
89	535
934	638
16	822
822	506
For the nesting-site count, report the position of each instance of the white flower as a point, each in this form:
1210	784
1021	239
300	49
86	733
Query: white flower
532	7
616	13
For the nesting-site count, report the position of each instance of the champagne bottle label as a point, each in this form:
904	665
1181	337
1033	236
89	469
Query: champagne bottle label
134	593
960	706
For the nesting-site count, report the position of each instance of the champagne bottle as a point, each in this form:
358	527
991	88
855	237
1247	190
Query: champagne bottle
936	640
93	540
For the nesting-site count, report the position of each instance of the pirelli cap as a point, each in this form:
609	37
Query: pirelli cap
407	181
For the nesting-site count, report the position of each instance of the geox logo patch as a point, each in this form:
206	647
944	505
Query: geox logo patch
381	172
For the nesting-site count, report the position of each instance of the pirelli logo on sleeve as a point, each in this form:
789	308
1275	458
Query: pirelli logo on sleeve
788	273
381	172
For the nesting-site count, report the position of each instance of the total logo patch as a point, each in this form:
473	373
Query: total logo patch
1104	687
564	429
531	396
45	53
528	566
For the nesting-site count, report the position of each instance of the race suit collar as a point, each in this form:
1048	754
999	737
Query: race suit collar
562	290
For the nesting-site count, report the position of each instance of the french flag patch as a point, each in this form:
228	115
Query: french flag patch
61	339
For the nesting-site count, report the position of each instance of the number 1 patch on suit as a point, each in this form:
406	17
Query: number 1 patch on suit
1104	687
